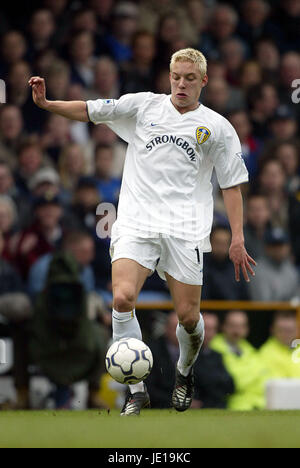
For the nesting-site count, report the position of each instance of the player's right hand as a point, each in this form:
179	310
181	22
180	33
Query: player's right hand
38	91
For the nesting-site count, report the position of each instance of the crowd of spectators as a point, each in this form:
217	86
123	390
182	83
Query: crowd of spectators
54	172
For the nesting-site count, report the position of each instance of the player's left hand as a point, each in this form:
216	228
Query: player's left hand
241	260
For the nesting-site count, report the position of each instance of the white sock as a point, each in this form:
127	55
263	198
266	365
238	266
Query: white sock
190	345
137	388
126	325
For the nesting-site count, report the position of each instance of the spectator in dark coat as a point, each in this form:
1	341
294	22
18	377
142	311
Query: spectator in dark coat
251	146
165	352
15	309
42	237
287	18
138	74
283	124
11	133
19	95
255	22
276	277
294	225
257	224
222	25
212	381
272	182
108	186
41	30
82	212
219	279
8	189
124	26
30	161
263	101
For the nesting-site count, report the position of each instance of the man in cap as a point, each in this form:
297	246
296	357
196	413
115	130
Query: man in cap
283	124
124	26
46	182
43	236
276	278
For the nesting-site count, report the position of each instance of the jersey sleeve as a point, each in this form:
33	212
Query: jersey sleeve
228	158
108	110
119	114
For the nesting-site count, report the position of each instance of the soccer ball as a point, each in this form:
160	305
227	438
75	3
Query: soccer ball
129	361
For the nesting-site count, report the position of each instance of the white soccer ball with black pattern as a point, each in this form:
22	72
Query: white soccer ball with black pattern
129	361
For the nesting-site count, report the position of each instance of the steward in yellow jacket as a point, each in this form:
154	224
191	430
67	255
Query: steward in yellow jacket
247	371
277	354
243	363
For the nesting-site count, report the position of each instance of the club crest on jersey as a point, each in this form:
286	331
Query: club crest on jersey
202	135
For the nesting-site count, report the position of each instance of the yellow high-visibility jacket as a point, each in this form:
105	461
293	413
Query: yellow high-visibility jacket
248	373
278	358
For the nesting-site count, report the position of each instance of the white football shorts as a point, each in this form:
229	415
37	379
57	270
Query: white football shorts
179	258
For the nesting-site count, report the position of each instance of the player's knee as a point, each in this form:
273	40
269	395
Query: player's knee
124	300
189	324
189	316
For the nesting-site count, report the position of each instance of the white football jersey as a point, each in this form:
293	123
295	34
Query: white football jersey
166	187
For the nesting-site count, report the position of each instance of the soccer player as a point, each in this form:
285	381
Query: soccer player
165	209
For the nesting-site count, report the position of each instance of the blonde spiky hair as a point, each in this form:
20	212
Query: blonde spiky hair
190	55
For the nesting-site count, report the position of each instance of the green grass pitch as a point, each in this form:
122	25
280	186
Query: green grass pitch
153	429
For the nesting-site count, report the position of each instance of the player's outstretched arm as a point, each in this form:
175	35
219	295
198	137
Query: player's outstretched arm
74	110
241	259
